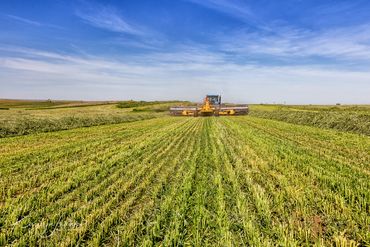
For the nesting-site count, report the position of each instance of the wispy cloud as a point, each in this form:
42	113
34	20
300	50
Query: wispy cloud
24	20
178	73
108	18
349	44
278	40
30	22
234	8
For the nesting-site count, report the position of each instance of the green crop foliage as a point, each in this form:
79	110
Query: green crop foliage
23	121
175	181
354	119
133	103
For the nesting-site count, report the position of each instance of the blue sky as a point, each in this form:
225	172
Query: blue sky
292	51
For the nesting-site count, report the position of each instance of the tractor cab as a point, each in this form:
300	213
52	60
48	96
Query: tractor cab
214	100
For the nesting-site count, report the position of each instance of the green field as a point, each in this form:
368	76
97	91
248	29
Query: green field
350	118
26	117
161	180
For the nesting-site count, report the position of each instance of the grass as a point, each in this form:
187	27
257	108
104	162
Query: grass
22	121
23	117
223	181
29	126
355	119
133	103
47	104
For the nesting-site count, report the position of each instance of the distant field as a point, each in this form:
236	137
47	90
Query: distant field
217	181
45	104
346	118
26	117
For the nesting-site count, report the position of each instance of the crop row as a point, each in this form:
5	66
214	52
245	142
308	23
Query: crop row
186	181
350	121
25	126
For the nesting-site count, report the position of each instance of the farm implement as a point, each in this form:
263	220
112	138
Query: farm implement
211	106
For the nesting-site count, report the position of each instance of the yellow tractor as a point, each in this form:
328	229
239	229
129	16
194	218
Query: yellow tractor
211	107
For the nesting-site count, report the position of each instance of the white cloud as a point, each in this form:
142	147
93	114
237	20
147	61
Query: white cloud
342	44
234	8
24	20
279	39
30	22
186	74
107	18
314	66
